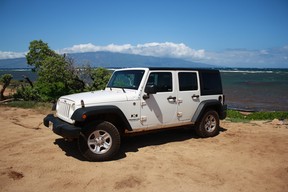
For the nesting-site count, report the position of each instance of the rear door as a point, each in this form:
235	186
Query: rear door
188	97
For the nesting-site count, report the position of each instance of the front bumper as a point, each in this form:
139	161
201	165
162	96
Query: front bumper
62	128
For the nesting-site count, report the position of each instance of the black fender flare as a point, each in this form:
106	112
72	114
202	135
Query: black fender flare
214	104
99	110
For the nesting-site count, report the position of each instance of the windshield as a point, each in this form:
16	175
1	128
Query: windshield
129	79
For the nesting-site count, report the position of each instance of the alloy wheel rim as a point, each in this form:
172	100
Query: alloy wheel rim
210	123
99	141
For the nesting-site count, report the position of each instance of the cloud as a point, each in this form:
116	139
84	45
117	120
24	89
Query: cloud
265	58
11	55
275	57
89	47
166	49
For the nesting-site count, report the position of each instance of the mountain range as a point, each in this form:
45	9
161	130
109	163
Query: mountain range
113	60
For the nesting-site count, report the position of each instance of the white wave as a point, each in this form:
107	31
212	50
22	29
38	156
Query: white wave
246	71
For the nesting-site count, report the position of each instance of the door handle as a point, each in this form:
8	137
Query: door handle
195	96
171	98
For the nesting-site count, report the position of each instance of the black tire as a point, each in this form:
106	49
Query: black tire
208	125
99	141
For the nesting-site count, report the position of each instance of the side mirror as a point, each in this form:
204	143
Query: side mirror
150	89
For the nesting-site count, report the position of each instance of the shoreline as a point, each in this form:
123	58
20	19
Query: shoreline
245	89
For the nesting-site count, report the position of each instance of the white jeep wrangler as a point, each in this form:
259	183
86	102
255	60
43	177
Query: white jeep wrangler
139	99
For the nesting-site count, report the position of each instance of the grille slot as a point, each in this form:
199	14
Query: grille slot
63	109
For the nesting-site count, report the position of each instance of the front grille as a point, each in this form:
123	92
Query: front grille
63	109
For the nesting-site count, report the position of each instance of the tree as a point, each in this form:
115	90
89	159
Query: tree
100	77
56	74
38	52
5	79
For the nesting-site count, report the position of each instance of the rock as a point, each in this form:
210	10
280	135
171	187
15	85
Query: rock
277	122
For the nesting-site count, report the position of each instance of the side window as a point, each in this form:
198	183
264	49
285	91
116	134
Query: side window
162	81
187	81
210	83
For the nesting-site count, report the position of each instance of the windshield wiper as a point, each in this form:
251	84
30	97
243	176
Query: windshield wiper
118	87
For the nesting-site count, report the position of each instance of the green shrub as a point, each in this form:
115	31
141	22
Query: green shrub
27	93
40	107
28	104
268	115
236	116
51	91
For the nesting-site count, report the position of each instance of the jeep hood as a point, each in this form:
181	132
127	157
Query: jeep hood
96	97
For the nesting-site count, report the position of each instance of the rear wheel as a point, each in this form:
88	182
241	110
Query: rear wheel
99	142
208	125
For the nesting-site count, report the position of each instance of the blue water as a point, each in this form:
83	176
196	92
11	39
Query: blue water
256	90
19	73
245	89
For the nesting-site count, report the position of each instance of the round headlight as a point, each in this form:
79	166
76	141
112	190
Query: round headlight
73	107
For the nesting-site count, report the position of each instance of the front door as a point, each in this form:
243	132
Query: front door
160	108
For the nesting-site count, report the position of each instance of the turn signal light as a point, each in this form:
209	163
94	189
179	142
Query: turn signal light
84	116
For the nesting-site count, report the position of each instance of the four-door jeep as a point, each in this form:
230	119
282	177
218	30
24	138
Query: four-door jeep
139	99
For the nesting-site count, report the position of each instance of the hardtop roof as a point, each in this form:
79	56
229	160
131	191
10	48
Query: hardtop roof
181	69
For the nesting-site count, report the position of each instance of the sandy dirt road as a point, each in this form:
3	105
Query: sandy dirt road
243	157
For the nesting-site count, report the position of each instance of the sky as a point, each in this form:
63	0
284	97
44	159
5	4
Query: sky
230	33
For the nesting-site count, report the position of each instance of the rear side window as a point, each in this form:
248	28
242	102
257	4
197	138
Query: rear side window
210	83
187	81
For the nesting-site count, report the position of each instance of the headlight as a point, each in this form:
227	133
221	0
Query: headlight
73	107
57	104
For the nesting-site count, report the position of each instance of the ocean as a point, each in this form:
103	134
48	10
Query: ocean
244	89
256	89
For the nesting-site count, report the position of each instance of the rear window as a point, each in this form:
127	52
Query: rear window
210	83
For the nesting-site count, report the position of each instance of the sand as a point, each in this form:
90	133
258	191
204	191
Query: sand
243	157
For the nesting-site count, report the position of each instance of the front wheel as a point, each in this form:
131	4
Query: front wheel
99	142
208	125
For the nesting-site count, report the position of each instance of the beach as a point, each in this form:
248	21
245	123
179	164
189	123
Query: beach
243	157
